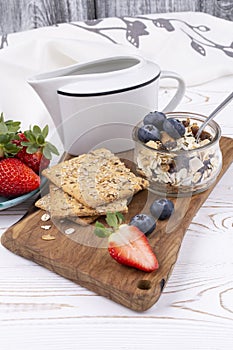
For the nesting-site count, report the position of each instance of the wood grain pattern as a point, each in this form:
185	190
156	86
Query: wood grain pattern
110	8
43	310
85	260
19	15
218	8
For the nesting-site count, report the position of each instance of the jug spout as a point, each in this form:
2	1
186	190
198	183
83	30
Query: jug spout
47	91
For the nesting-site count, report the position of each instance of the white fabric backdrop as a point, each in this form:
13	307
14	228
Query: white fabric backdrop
197	46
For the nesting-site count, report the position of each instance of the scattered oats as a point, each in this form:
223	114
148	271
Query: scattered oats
197	177
182	174
152	144
187	181
165	167
195	164
69	231
204	142
46	227
214	162
154	164
45	217
48	237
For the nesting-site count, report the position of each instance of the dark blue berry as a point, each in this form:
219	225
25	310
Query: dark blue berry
174	128
148	132
145	223
162	208
155	118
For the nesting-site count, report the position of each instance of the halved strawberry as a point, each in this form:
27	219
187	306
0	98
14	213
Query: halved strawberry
127	244
16	178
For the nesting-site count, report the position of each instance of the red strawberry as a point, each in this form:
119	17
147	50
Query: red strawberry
36	152
29	146
21	137
127	244
16	178
36	161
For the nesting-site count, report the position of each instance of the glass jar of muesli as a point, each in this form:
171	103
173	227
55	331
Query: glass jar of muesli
182	166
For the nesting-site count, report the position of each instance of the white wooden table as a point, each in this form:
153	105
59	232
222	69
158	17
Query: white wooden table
39	309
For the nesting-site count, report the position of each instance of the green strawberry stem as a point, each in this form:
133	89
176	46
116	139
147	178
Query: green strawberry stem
114	220
36	141
8	133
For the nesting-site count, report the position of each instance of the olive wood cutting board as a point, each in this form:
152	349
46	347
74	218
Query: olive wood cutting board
83	258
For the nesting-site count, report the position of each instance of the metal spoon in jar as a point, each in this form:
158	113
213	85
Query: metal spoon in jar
213	114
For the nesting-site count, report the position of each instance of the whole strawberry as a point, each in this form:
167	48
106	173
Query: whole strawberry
35	151
16	178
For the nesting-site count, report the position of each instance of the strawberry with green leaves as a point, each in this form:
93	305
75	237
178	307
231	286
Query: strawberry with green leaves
8	133
22	156
29	146
35	151
16	178
127	244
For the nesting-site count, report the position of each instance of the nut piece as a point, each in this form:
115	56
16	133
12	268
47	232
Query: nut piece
45	217
48	237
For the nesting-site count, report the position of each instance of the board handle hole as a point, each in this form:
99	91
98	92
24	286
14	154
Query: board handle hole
162	284
144	285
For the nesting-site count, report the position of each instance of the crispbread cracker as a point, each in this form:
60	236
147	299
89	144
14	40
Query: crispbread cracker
62	205
84	220
44	203
96	178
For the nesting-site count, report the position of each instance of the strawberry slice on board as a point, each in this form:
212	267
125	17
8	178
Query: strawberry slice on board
127	244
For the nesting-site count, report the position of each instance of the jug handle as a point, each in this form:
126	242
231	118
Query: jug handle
179	93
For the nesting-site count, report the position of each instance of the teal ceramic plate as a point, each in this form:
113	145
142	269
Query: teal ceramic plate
8	203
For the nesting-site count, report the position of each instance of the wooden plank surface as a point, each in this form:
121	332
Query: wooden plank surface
218	8
19	15
109	8
42	310
84	259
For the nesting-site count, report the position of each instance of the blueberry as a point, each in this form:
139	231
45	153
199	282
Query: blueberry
148	132
145	223
162	208
174	128
155	118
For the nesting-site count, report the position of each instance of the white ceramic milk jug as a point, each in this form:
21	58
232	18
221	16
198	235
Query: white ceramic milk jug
97	103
